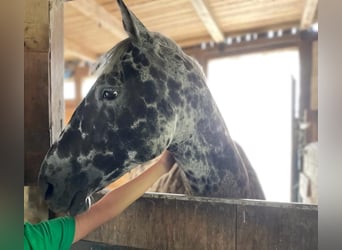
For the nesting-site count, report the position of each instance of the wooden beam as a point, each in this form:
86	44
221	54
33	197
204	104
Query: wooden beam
79	51
191	42
309	13
92	10
261	44
208	20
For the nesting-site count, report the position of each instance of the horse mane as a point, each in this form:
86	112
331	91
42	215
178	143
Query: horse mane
105	63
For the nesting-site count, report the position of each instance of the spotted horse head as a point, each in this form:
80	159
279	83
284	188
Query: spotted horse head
149	97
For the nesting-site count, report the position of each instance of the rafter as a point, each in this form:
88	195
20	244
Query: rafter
79	51
91	9
208	20
309	12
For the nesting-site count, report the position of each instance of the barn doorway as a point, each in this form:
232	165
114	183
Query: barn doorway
254	94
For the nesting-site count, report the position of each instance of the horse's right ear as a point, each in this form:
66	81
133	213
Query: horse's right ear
132	25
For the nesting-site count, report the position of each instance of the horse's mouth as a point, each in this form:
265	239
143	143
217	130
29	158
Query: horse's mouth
79	203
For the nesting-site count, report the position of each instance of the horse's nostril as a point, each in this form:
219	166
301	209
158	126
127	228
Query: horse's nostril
49	191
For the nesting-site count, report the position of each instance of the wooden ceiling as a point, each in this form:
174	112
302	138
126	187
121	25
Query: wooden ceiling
91	27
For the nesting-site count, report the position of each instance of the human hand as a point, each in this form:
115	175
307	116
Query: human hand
166	160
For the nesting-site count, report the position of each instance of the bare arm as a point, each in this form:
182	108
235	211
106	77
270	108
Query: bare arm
119	199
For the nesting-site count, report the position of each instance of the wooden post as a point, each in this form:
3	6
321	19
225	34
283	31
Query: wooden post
307	109
43	81
314	93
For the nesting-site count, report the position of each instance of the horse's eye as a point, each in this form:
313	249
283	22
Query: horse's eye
110	94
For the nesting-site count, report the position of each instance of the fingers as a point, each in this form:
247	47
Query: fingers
167	160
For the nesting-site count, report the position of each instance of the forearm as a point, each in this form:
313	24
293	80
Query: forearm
117	200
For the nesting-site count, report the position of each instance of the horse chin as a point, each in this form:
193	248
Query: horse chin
79	203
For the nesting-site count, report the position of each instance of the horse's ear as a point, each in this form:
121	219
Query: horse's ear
133	26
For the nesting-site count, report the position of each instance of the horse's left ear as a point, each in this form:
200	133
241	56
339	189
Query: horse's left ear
133	26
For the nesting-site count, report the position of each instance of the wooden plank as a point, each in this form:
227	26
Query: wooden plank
43	81
84	244
256	8
36	104
36	77
197	40
100	15
306	65
260	227
36	119
314	77
56	69
205	14
79	51
35	38
156	222
261	44
179	20
36	25
193	39
305	60
160	221
309	13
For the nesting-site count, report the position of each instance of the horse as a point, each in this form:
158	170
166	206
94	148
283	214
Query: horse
149	97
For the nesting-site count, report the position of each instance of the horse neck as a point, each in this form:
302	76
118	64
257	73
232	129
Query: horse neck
206	153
